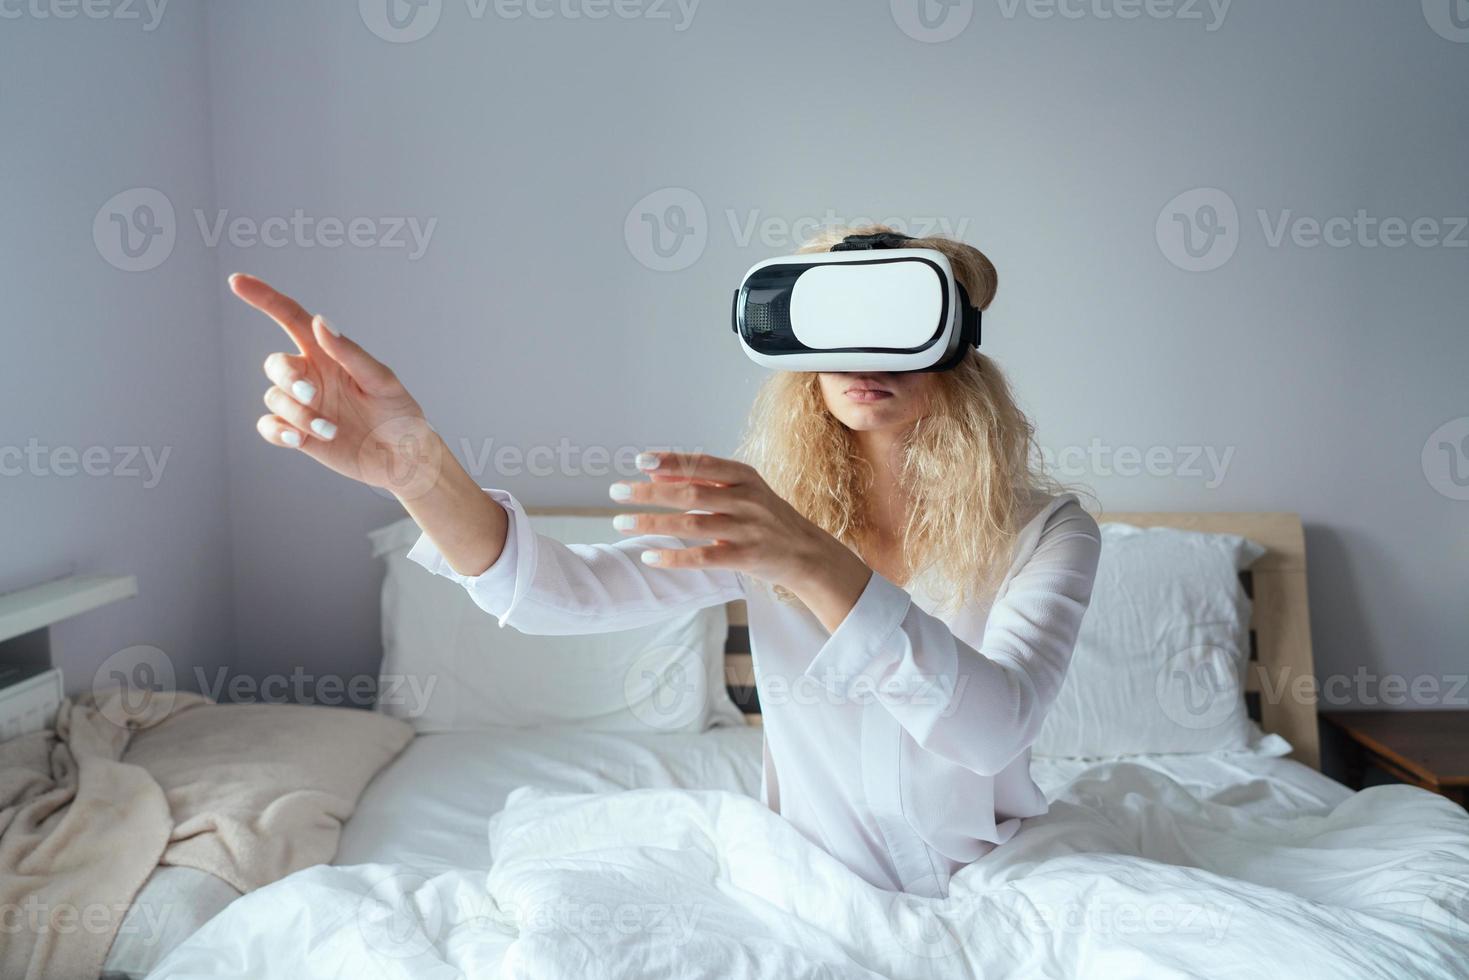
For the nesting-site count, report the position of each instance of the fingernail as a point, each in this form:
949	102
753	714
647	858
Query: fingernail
304	391
624	522
327	326
233	277
620	491
291	437
652	558
647	461
323	428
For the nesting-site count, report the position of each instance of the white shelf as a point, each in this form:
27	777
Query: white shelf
41	605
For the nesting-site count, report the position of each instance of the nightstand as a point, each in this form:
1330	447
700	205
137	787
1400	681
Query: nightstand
1427	749
29	698
31	689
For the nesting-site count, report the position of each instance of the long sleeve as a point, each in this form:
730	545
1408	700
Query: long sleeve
539	585
977	706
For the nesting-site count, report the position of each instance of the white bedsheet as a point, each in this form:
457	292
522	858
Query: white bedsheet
1178	866
428	810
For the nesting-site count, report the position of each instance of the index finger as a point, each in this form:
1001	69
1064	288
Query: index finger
696	467
291	315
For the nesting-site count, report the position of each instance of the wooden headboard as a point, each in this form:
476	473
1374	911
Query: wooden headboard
1280	628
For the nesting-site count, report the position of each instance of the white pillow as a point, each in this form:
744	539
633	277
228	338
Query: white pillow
1160	660
449	666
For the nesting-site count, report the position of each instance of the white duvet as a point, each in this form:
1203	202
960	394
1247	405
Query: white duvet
1128	875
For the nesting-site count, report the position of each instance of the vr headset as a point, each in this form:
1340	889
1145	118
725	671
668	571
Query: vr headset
870	304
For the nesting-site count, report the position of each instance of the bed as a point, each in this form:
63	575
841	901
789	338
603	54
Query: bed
555	851
428	809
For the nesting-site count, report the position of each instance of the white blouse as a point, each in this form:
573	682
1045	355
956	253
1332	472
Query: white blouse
902	740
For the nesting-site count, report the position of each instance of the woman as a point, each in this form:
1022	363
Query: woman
914	593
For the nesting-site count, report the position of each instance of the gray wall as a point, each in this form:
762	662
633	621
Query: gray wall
538	312
104	369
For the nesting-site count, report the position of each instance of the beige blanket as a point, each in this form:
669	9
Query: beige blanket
249	793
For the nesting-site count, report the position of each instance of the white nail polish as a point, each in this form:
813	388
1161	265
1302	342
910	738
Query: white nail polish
303	391
327	326
291	437
624	522
323	428
620	491
647	461
651	558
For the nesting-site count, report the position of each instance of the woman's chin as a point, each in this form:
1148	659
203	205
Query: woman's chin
873	417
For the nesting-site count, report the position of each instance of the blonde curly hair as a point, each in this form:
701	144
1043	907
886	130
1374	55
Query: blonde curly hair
969	465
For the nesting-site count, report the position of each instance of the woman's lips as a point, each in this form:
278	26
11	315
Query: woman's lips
863	394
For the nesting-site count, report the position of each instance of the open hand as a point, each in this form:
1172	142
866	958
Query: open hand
750	527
